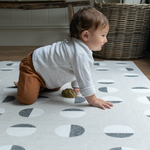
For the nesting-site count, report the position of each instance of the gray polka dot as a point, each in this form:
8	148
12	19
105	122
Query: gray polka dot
76	131
79	99
8	99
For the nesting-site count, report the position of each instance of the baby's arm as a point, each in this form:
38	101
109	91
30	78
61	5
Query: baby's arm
76	89
75	86
96	102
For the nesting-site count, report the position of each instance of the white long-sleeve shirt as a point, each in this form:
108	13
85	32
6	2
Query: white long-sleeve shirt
63	62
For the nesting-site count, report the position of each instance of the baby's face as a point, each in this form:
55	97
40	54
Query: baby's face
97	38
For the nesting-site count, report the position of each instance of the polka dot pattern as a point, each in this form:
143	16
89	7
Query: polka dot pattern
130	75
54	121
11	147
108	89
118	131
144	99
31	112
102	69
20	130
122	148
147	113
5	99
106	81
140	89
7	69
122	64
112	99
72	113
69	130
2	110
10	89
126	69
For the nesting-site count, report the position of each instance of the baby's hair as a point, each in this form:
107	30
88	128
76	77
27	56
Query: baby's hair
84	19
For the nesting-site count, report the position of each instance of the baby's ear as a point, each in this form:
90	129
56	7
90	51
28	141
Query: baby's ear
85	35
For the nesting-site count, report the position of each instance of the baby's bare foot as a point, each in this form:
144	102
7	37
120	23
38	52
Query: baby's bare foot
16	83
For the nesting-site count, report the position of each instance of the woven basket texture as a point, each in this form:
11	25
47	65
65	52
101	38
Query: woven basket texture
129	30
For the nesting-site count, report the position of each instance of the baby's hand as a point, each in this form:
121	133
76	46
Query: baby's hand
96	102
77	90
102	104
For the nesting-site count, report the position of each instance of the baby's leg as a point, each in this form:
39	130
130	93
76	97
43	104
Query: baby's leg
28	88
41	88
29	82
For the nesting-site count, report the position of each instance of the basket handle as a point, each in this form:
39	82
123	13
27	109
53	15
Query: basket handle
103	1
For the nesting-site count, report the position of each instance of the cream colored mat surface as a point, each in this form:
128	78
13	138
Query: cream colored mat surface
57	123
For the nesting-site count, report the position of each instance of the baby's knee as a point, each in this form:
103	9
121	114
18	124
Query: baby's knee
27	100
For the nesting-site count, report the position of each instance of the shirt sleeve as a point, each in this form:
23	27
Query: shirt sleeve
74	84
81	64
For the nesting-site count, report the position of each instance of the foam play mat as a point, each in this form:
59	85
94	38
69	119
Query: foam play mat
57	123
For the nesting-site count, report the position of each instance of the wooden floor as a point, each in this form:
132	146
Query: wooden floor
16	53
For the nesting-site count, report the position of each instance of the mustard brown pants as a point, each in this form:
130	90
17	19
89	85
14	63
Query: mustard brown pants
30	82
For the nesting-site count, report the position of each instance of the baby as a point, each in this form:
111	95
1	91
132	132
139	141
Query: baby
52	66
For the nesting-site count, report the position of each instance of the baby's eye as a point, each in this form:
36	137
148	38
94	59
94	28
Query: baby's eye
103	35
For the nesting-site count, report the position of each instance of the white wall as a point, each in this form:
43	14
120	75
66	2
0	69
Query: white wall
32	27
35	27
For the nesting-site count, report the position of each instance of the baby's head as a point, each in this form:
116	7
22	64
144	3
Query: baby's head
86	18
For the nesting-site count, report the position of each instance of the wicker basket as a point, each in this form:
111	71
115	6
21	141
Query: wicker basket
129	30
